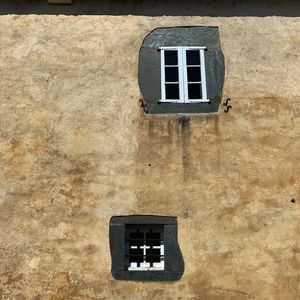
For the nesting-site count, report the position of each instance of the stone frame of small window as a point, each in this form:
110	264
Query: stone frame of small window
149	69
174	265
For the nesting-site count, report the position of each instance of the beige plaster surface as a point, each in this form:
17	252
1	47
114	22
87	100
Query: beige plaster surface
76	149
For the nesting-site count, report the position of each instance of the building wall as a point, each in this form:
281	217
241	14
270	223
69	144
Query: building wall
288	8
76	149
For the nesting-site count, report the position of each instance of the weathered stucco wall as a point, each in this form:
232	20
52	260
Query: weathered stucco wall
77	149
287	8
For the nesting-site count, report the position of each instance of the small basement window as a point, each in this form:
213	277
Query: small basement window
183	78
145	248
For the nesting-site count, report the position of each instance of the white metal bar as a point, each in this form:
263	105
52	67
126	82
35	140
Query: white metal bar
144	266
203	76
161	268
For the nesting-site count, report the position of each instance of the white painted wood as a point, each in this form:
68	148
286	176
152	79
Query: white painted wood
182	74
185	79
181	64
162	76
203	76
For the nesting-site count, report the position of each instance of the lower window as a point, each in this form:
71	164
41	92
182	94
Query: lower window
145	248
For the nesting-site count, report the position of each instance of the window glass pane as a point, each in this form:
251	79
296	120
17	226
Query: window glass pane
193	57
172	91
194	74
171	57
171	74
194	91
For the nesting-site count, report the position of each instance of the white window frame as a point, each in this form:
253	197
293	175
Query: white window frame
182	75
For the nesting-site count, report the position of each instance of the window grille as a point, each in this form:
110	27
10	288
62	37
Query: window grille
183	77
144	247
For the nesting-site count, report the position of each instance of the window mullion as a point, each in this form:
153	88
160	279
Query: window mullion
181	74
184	71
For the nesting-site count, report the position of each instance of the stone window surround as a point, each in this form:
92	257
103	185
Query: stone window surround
149	68
173	261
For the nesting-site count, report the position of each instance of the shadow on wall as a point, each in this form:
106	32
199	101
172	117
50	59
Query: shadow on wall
289	8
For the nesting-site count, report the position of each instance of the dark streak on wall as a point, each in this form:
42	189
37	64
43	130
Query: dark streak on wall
184	123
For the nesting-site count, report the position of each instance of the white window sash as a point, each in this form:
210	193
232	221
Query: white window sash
203	76
162	76
182	75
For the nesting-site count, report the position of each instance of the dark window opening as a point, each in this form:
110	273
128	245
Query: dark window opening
193	57
194	91
171	74
172	91
171	58
194	74
144	247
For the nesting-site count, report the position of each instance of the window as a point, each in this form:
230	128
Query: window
181	70
183	78
145	248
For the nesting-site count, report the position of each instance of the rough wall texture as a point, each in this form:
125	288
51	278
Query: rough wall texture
77	149
287	8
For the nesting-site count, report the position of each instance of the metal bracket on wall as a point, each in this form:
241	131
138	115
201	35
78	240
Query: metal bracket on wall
228	107
143	105
60	1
